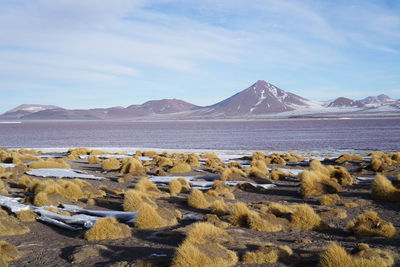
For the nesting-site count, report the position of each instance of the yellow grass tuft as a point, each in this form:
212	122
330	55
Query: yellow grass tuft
260	164
239	214
108	228
329	199
196	199
269	253
278	174
304	217
149	188
337	256
110	164
369	224
11	226
49	163
316	182
219	207
93	159
256	222
185	184
132	166
27	216
134	199
334	213
383	189
175	187
8	253
148	217
202	248
180	167
348	157
232	174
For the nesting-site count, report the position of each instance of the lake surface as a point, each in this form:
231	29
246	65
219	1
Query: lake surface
269	135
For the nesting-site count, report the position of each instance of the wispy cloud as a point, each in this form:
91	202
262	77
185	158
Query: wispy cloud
144	49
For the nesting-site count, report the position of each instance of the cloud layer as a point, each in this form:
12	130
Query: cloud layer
102	53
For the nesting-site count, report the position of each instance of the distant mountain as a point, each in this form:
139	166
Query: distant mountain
260	98
154	107
341	102
380	99
26	109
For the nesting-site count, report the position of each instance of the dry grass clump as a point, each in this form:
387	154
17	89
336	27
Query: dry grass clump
209	155
132	166
268	253
304	217
29	151
239	214
202	248
329	199
108	228
149	217
219	207
55	192
163	162
185	184
369	224
197	200
380	161
260	164
134	199
334	213
110	164
28	183
193	160
175	187
93	159
27	216
11	226
215	220
383	189
348	157
8	252
49	163
232	174
149	188
314	183
275	158
293	157
278	174
335	256
180	167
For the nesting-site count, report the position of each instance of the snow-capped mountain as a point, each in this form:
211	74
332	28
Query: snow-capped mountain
26	109
260	98
341	102
377	100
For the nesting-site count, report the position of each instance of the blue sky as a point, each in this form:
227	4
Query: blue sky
97	53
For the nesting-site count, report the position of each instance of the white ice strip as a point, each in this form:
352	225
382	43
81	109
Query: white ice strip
123	216
191	217
371	179
86	221
62	173
292	171
12	204
59	223
7	165
167	179
300	163
115	156
240	161
206	184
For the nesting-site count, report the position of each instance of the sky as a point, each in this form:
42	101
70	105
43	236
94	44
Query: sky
98	53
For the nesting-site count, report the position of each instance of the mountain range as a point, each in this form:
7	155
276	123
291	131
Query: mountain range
260	100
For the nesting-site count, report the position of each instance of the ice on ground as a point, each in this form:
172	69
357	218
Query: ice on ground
84	220
7	165
58	223
292	171
62	173
123	216
12	204
371	179
115	156
167	179
191	217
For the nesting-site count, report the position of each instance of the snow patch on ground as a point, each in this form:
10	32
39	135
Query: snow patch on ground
62	173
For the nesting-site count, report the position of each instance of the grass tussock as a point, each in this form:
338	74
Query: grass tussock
304	217
93	159
202	247
370	224
239	214
348	157
197	200
336	256
49	163
108	228
149	188
329	199
8	252
134	199
260	164
132	166
27	216
150	217
175	187
180	167
11	226
278	174
383	189
232	174
219	207
110	164
314	183
381	161
269	253
334	214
